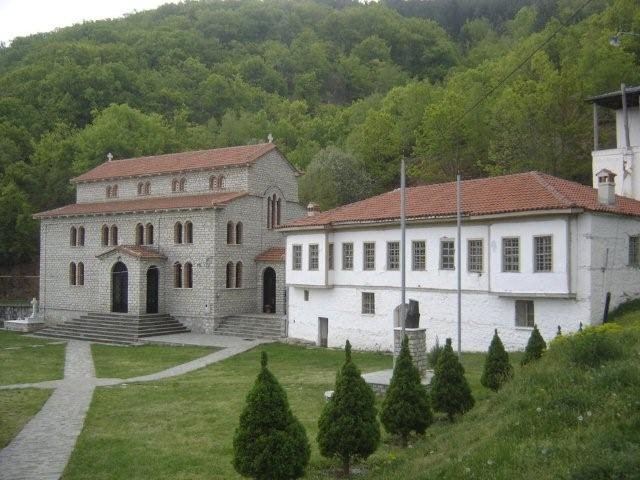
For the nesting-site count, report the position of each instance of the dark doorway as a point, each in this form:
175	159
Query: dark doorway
269	290
153	276
119	288
323	331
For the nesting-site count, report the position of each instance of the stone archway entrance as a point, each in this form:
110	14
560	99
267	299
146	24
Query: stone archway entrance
269	290
119	288
153	283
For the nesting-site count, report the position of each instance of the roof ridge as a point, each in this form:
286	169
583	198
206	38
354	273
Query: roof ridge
558	195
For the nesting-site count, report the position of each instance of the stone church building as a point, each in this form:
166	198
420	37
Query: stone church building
188	235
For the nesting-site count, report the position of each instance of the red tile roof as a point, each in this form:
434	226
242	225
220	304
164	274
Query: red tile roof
521	192
275	254
176	202
176	162
138	251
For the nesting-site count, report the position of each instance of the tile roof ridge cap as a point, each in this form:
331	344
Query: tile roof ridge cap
542	179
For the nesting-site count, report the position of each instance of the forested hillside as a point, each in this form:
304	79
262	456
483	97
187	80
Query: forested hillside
342	86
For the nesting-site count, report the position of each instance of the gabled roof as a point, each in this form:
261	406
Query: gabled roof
275	254
176	162
138	251
147	204
521	192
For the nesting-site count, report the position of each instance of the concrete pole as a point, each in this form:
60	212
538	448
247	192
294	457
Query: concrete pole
625	114
403	235
459	261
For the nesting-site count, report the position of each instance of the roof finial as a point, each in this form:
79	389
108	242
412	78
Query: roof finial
109	156
270	138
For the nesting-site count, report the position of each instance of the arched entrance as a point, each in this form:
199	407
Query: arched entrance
153	276
269	290
119	288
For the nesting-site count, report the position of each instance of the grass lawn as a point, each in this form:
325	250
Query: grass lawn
113	361
16	408
28	360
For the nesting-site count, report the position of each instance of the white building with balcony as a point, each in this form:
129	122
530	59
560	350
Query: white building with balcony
536	249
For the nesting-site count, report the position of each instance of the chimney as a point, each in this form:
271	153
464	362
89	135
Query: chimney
312	209
606	187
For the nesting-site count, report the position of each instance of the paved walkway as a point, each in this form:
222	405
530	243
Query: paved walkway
43	447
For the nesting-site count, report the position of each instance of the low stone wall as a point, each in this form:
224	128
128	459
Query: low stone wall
13	312
417	346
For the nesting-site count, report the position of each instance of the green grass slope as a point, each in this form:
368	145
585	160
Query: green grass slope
574	414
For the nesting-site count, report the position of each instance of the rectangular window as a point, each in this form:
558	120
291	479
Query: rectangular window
306	295
447	255
524	313
330	256
369	256
418	255
347	256
474	256
542	250
393	255
511	254
634	250
368	302
296	259
313	256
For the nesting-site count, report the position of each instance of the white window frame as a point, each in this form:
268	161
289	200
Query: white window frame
347	256
395	265
508	265
527	308
450	265
368	256
296	257
541	256
368	303
330	256
634	251
314	257
414	256
475	261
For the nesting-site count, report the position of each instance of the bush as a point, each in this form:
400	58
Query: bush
348	427
434	353
535	347
497	369
595	345
450	392
406	408
270	443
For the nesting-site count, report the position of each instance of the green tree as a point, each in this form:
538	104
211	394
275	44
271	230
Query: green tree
497	369
535	347
269	443
348	427
18	231
406	407
450	391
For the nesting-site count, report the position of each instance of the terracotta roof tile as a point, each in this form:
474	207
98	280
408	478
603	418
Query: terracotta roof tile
138	251
275	254
520	192
176	202
176	162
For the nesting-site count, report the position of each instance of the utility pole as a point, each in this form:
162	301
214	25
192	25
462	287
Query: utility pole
403	234
459	260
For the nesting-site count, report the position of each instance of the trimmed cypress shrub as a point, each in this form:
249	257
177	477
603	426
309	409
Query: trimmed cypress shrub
406	408
535	346
348	427
270	443
450	392
497	369
434	353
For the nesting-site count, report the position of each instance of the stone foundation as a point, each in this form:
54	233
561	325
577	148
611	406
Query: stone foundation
417	346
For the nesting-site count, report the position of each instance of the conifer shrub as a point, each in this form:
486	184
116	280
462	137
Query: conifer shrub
406	407
269	443
348	427
450	391
434	353
497	368
535	347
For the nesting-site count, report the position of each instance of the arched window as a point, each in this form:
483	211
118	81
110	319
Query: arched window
273	211
188	275
278	212
269	212
174	185
230	275
72	236
177	233
188	232
105	235
72	273
80	241
114	191
149	234
229	233
140	188
177	275
239	275
108	190
114	235
147	188
212	182
239	233
221	181
80	274
183	182
139	234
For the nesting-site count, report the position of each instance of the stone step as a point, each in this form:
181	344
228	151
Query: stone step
251	326
250	323
82	329
241	332
124	325
87	337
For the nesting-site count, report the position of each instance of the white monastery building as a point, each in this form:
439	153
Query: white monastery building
536	249
191	236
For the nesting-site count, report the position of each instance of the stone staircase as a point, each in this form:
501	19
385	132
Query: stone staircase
252	326
114	327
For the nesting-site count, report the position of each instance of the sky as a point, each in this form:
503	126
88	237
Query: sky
23	17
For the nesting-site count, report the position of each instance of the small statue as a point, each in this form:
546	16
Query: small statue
34	307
